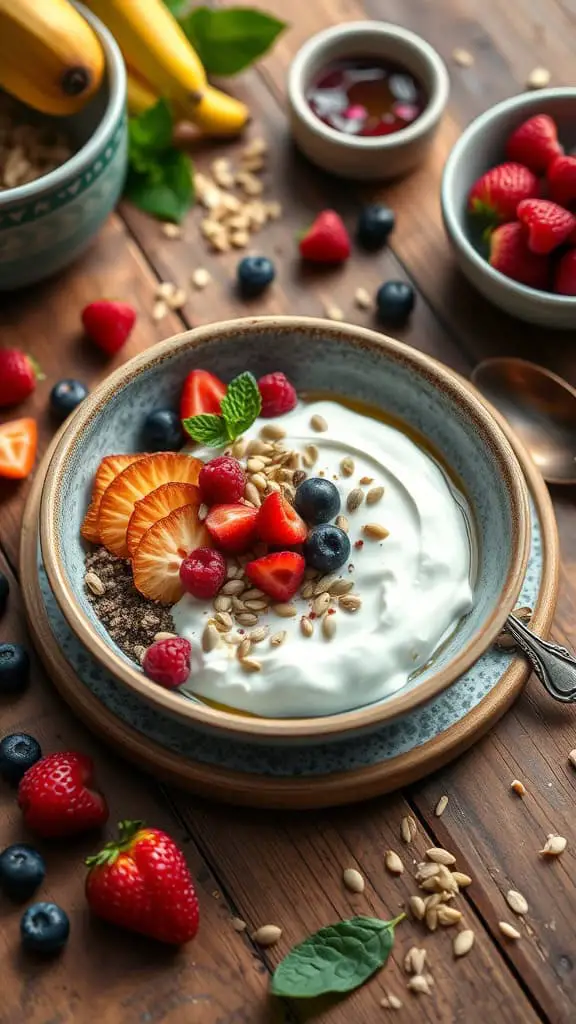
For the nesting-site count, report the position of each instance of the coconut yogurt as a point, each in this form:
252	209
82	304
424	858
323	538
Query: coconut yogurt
414	585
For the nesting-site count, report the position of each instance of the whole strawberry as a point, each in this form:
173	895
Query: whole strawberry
495	196
141	881
549	225
565	277
18	376
561	176
326	240
108	323
509	253
535	143
56	797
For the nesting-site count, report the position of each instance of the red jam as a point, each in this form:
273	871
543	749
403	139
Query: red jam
366	96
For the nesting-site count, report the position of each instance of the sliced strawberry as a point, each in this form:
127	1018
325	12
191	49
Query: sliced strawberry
135	483
232	527
157	505
18	443
278	575
202	392
279	524
109	468
163	548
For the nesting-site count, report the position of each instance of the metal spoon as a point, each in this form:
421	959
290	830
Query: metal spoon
540	407
554	666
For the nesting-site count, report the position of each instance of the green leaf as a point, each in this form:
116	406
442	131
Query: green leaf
229	40
151	130
241	404
207	428
174	6
337	958
161	185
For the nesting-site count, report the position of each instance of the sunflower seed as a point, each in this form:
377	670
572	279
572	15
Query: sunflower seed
310	455
353	880
200	278
255	606
222	603
391	1002
417	906
306	626
419	985
224	619
267	934
415	960
375	531
517	902
284	610
255	465
257	447
259	634
461	879
448	916
235	639
408	828
318	423
434	900
252	494
374	495
321	604
254	594
340	587
393	863
94	583
509	930
441	806
210	638
440	856
272	432
247	618
322	586
427	871
463	942
277	639
307	590
518	787
329	627
159	310
347	466
244	648
572	758
350	602
237	604
238	924
362	298
259	481
462	57
233	587
554	846
354	499
171	230
431	918
538	78
251	665
164	289
158	637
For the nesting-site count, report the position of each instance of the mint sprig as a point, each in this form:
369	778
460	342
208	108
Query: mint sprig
240	406
159	177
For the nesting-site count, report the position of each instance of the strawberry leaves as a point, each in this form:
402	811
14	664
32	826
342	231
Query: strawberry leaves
239	408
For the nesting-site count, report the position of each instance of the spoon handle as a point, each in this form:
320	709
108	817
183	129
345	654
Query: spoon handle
554	666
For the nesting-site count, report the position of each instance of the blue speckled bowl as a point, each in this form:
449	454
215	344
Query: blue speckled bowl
318	356
46	224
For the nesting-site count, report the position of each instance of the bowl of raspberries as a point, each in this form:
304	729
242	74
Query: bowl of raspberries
509	205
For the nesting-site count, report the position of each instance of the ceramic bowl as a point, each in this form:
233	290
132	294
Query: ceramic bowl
385	156
481	146
46	224
317	355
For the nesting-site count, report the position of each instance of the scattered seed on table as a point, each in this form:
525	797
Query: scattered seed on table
419	985
362	298
333	312
440	856
554	846
408	828
267	935
441	806
462	57
509	930
200	278
462	879
517	902
518	787
353	880
391	1002
393	863
572	758
159	309
417	907
463	942
538	78
238	924
171	230
448	916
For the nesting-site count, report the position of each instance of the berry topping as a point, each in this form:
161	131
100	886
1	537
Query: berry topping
509	253
565	279
279	575
18	752
44	928
203	572
395	302
495	196
22	870
535	143
14	668
109	468
56	797
65	396
317	500
561	176
167	662
254	274
549	225
326	548
222	481
18	443
278	523
159	555
157	505
326	240
4	592
18	376
108	324
277	393
162	431
202	393
374	226
232	527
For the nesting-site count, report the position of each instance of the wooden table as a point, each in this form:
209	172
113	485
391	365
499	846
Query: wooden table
286	868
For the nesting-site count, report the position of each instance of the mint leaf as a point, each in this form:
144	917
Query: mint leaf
174	6
159	177
207	428
151	130
229	40
337	958
241	404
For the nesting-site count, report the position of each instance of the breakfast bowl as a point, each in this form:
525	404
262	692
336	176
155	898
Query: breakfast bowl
413	63
480	147
46	223
449	445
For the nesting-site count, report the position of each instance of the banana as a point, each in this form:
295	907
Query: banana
141	96
217	113
50	58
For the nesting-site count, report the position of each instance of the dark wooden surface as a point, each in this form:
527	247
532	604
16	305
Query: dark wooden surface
286	869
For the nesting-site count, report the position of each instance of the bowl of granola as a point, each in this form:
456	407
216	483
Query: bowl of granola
282	527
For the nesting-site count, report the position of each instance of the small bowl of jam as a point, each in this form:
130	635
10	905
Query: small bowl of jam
366	99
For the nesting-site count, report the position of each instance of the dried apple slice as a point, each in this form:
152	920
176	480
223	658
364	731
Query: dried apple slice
157	505
109	468
157	560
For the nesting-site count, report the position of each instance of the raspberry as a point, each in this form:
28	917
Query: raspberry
278	394
167	662
222	481
203	572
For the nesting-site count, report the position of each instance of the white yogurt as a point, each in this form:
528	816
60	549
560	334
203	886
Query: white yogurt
415	585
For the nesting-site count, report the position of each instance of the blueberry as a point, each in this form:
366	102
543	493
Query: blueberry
18	752
326	548
317	500
14	668
254	274
162	431
22	870
44	928
374	226
395	302
65	396
4	591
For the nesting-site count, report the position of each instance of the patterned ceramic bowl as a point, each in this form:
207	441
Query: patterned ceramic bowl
46	224
318	356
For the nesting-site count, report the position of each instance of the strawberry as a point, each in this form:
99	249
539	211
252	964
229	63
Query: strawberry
549	225
109	468
534	143
232	527
134	483
159	555
279	575
18	443
157	505
141	881
565	277
202	393
108	324
495	196
18	376
327	240
509	253
561	176
56	796
279	524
